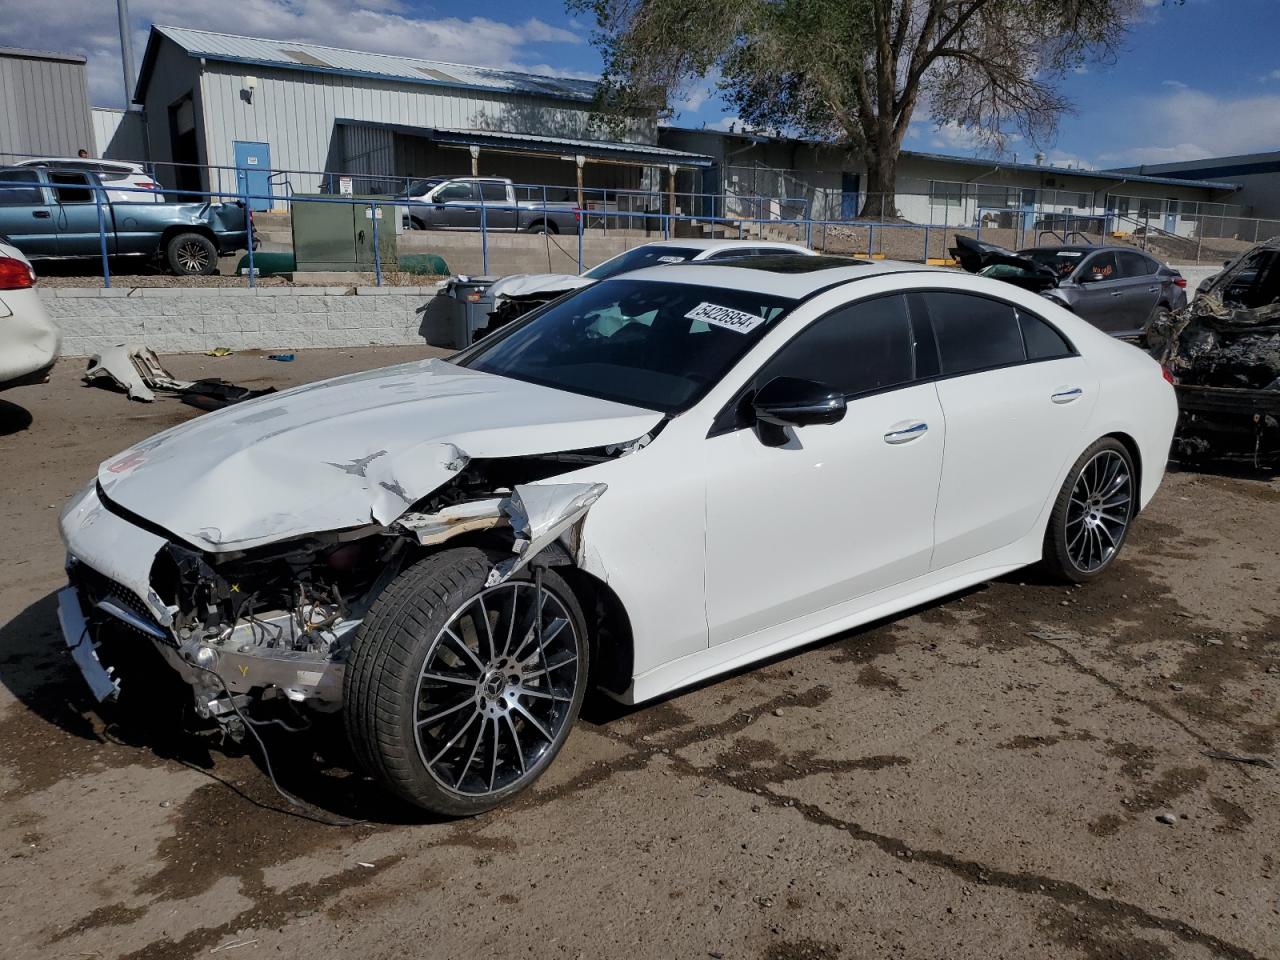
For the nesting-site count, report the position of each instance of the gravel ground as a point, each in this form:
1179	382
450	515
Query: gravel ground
981	778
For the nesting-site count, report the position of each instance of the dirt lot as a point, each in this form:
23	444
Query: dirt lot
979	779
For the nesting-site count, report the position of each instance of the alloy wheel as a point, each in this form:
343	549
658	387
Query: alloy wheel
192	257
495	689
1099	510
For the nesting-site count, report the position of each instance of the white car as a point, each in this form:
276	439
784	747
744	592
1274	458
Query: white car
657	479
29	340
519	293
125	182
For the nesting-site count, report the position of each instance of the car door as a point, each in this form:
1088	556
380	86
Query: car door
1100	292
839	510
1140	288
500	208
1016	398
75	215
461	200
26	216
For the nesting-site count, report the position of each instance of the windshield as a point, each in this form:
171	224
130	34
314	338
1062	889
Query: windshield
660	346
649	255
1061	262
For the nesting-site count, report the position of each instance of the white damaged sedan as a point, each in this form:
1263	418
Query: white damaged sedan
662	477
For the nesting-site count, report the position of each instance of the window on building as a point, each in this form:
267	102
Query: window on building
946	193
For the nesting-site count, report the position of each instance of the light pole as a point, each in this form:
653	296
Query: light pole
126	51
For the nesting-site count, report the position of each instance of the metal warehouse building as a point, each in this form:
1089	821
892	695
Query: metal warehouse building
44	104
245	104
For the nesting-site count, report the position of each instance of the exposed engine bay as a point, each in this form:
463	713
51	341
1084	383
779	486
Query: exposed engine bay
275	623
1224	352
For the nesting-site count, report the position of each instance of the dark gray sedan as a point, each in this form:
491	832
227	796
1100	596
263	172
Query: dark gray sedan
1116	288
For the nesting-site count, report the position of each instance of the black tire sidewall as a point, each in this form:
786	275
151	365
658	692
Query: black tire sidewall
386	660
1057	559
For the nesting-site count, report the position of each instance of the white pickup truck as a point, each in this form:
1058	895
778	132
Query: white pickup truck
454	203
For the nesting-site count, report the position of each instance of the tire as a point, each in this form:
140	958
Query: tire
445	720
1092	514
416	224
542	227
191	255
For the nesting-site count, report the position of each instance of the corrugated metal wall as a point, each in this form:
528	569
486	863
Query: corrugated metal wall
44	107
119	135
294	112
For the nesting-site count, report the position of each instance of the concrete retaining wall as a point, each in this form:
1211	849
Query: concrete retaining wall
195	319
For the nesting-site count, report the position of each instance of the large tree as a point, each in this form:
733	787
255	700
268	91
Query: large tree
855	72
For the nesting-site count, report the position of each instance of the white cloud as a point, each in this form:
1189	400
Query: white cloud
1191	124
378	26
1176	84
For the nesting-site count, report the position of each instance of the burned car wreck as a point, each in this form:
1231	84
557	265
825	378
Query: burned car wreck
1224	354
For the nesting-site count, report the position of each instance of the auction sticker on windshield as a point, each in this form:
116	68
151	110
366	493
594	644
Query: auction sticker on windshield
725	317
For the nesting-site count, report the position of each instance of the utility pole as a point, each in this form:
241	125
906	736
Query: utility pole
126	51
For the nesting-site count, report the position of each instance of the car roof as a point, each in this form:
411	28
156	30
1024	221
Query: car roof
97	161
786	276
699	243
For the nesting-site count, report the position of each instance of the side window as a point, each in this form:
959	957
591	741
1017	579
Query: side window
456	191
860	348
71	187
1101	264
1043	340
13	194
973	333
493	192
1135	264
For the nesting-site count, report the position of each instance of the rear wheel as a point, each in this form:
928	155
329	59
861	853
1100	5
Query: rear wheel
191	255
541	227
458	695
1091	516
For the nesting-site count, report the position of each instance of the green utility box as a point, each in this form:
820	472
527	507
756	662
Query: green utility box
339	236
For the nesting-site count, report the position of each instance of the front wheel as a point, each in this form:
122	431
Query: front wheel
191	255
1091	516
458	696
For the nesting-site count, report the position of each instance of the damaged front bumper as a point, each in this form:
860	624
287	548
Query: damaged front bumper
298	653
1227	423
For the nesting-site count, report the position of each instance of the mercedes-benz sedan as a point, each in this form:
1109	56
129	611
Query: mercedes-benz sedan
664	476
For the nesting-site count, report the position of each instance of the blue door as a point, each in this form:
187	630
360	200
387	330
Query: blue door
848	196
253	172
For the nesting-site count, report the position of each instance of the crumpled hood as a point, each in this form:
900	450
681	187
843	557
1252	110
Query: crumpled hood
525	284
348	451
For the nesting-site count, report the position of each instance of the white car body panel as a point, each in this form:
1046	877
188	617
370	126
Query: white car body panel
29	339
370	443
523	284
720	549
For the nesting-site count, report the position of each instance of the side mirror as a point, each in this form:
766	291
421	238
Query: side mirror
1093	277
792	402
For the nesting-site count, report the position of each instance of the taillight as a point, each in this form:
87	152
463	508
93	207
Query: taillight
1180	282
146	185
1168	376
15	275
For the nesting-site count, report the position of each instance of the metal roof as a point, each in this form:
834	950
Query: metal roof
23	54
987	164
291	55
528	143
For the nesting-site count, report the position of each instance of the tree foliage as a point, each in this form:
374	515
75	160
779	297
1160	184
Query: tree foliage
855	72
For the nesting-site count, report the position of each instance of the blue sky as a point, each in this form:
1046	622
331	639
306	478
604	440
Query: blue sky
1196	79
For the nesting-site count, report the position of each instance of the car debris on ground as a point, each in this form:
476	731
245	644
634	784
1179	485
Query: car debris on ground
137	371
1223	351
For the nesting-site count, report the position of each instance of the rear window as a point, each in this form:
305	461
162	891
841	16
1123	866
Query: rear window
973	333
1042	340
648	255
1135	264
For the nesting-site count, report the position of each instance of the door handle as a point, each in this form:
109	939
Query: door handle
906	431
40	214
1066	394
1152	289
1116	293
